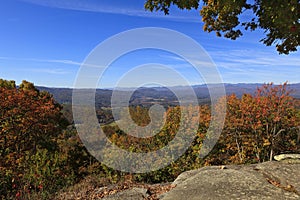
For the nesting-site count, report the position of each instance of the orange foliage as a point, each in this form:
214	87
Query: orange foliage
28	117
259	126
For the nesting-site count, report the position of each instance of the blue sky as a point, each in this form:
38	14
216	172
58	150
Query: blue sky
45	42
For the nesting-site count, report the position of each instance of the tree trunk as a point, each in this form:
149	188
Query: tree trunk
272	148
239	150
298	138
271	154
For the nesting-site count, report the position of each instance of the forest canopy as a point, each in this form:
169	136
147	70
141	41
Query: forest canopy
41	154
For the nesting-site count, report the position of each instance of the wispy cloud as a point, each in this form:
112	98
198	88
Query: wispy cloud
257	66
258	58
171	57
48	71
202	61
48	66
123	9
67	62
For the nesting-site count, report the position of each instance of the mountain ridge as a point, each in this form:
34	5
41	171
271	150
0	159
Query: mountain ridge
150	95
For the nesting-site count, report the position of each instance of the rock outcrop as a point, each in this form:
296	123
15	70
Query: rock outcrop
288	158
131	194
269	180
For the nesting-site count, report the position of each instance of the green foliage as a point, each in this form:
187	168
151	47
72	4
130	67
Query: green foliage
7	84
164	5
278	18
27	86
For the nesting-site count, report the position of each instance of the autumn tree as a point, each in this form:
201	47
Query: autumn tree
259	126
38	155
280	19
277	114
28	118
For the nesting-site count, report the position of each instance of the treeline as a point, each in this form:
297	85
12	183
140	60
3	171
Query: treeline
41	153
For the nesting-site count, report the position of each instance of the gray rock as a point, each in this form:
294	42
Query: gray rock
130	194
289	157
270	180
284	173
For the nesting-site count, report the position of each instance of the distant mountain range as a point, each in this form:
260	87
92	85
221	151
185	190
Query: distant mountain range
147	96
